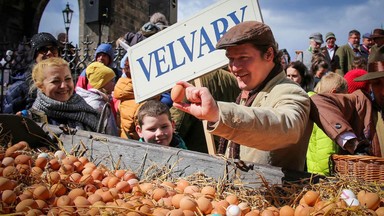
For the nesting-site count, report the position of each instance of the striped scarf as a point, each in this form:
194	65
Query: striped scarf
75	110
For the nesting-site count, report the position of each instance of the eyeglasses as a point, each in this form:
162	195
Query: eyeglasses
45	49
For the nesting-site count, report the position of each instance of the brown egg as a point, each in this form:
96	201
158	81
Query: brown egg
8	161
76	192
209	191
58	189
159	212
205	205
83	160
159	193
133	182
181	184
311	197
191	189
96	174
120	173
86	179
189	213
23	169
8	197
64	201
380	211
232	199
81	201
54	164
371	201
254	213
66	169
108	196
33	212
112	182
221	206
146	186
129	175
176	212
78	166
88	170
177	93
26	205
303	210
54	177
287	211
42	205
123	187
5	184
13	151
41	162
168	184
75	177
41	193
9	171
244	207
267	212
325	206
90	165
176	200
36	172
187	203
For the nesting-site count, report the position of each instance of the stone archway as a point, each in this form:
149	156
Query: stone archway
20	19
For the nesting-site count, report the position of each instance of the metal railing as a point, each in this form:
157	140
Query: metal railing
15	59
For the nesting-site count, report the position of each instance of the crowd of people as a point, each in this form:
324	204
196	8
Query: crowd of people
264	107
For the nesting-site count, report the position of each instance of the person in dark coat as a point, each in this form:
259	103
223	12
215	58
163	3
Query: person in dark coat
329	51
21	94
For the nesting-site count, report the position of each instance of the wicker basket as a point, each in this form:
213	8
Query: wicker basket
367	168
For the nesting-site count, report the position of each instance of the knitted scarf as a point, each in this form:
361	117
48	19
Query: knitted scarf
248	97
75	110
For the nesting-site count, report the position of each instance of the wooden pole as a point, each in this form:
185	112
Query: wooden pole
208	137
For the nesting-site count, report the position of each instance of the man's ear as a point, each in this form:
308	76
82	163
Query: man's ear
269	54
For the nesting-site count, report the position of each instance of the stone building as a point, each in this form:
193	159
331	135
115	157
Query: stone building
109	19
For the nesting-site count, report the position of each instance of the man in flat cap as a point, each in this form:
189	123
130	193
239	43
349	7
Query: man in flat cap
355	121
365	46
315	42
269	119
329	50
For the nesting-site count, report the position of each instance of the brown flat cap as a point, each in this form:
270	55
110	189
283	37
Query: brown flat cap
253	32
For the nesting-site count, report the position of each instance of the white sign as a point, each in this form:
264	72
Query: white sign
186	50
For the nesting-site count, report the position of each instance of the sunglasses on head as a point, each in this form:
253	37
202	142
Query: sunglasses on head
45	49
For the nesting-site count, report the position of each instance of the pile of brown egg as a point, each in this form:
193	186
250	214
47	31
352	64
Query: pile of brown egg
50	183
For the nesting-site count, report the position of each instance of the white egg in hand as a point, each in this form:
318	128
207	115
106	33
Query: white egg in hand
233	210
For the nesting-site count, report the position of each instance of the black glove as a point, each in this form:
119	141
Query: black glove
354	146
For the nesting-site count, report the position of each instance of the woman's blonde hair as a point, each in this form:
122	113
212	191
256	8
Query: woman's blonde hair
38	75
332	83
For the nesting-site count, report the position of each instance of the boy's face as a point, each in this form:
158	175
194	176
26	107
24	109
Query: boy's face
158	130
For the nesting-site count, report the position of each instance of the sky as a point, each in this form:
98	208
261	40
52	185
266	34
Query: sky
291	21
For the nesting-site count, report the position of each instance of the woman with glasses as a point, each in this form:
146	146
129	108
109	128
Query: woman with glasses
21	94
